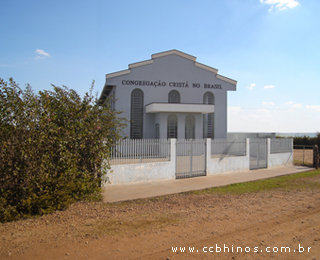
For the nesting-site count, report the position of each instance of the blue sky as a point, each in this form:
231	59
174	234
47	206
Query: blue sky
271	47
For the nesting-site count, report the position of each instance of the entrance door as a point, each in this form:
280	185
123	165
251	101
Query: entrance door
190	158
258	153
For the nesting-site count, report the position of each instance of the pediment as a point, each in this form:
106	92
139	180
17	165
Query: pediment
168	53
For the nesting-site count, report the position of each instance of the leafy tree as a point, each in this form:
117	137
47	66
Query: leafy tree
306	140
52	147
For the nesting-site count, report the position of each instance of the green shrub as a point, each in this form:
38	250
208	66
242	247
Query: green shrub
52	145
306	140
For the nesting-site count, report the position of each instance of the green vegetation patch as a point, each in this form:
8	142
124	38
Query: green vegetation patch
54	148
300	181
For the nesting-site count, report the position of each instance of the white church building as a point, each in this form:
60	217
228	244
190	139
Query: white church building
177	112
170	96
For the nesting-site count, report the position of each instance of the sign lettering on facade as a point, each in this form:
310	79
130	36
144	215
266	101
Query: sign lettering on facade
159	83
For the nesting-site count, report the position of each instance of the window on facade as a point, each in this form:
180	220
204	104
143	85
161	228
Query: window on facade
174	97
172	126
112	101
136	125
157	131
208	119
190	127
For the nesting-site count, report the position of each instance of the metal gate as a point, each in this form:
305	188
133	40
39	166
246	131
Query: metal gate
190	158
258	153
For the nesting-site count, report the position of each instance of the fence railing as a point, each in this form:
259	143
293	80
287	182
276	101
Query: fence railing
281	145
303	154
190	158
140	150
159	150
185	147
226	147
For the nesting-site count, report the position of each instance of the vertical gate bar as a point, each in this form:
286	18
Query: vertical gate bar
149	143
266	152
128	150
176	158
258	153
120	151
130	153
186	145
124	150
145	153
150	152
186	160
205	156
121	156
191	146
134	148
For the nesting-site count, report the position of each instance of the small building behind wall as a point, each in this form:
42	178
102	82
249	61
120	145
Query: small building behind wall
170	96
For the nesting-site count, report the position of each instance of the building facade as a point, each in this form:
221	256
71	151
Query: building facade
170	96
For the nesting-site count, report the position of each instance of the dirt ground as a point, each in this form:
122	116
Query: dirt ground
249	226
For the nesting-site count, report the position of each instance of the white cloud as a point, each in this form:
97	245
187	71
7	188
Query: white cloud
41	54
267	103
262	110
314	108
293	105
251	86
234	108
270	9
268	87
297	106
280	4
269	120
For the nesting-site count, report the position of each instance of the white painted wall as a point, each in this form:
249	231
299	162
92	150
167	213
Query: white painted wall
228	164
280	159
141	172
144	172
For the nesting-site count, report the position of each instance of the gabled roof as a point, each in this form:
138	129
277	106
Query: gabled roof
176	52
107	89
166	53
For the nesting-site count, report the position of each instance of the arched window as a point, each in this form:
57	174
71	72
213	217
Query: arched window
208	119
136	125
190	127
172	126
174	97
157	131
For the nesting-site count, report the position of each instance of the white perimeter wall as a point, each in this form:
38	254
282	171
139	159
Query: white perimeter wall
144	172
280	159
227	163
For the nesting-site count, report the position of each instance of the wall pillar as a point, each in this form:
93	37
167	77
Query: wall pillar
248	151
268	151
208	154
173	157
248	148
